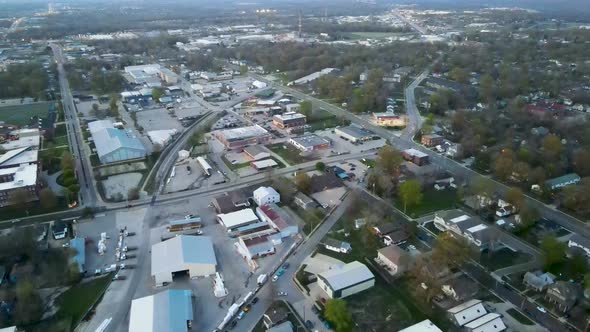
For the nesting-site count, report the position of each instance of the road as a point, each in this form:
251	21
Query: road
412	112
419	29
267	293
88	196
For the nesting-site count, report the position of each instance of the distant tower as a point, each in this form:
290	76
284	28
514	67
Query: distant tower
300	24
326	14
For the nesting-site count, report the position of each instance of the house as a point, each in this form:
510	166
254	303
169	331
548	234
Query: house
59	229
480	236
337	246
274	316
324	182
231	202
383	229
491	322
460	288
538	281
170	310
278	219
431	140
256	152
423	326
445	220
393	258
347	280
183	253
580	242
562	181
266	195
466	312
258	244
564	294
396	237
304	202
286	326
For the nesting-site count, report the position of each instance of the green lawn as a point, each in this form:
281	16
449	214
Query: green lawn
432	201
21	114
76	301
8	212
61	130
502	258
51	157
288	152
60	141
519	317
322	119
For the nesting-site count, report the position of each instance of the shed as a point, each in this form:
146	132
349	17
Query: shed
170	310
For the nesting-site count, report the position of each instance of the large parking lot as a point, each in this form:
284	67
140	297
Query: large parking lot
340	145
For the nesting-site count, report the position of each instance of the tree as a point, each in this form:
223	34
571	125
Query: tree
503	164
582	162
521	171
19	198
306	109
95	111
389	160
336	311
515	196
67	161
113	107
486	88
410	193
47	198
285	188
528	216
552	146
320	166
133	194
157	94
243	70
553	251
459	74
303	182
358	104
451	251
29	306
578	264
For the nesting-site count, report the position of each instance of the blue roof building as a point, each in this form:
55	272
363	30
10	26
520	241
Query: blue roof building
77	244
114	145
170	310
563	181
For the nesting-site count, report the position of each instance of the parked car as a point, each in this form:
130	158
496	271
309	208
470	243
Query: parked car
282	293
309	324
233	324
286	266
241	315
541	309
315	309
247	308
255	300
280	272
275	278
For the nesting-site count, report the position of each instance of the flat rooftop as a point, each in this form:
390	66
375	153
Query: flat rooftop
416	153
24	176
309	141
235	134
355	131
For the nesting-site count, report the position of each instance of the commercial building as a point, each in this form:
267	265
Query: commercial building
562	181
292	107
309	143
258	244
266	195
354	133
389	119
22	138
256	152
181	254
263	164
312	77
231	201
240	137
431	140
237	219
278	219
22	177
170	310
417	157
347	280
288	120
113	144
18	157
145	74
423	326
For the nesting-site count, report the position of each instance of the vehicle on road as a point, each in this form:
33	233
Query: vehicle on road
261	279
286	266
247	308
241	314
309	324
541	309
275	278
280	272
233	324
315	309
255	300
189	216
282	293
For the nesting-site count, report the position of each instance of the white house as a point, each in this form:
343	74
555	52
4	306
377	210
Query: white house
266	195
393	258
337	246
350	279
491	322
466	312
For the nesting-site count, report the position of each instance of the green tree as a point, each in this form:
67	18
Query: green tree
243	70
451	251
157	94
113	107
503	164
67	161
486	88
552	146
459	74
579	264
306	109
336	312
553	251
303	182
582	162
528	216
133	193
29	306
516	197
389	160
47	198
320	166
358	102
410	193
19	198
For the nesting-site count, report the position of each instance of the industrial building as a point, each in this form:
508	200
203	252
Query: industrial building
240	137
350	279
145	74
259	244
237	219
415	156
183	253
278	219
18	178
423	326
309	143
389	119
312	77
114	145
256	152
288	120
263	164
170	310
355	134
18	157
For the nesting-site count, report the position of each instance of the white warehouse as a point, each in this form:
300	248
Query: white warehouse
184	253
350	279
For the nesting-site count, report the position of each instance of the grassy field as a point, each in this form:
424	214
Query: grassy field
33	208
519	317
322	119
432	200
76	301
502	258
289	153
21	114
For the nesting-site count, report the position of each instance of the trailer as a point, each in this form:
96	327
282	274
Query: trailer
261	279
184	224
207	169
170	235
